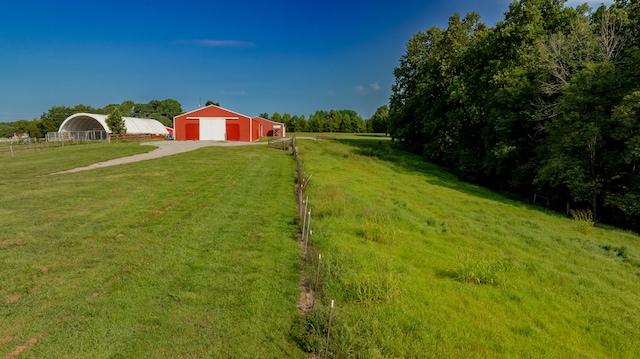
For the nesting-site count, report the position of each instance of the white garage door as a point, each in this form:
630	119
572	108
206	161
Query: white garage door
213	129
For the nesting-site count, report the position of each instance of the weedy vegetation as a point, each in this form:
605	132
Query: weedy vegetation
422	265
584	220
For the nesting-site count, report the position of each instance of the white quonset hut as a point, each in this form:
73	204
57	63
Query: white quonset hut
83	122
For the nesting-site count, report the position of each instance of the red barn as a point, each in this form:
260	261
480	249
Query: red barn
215	123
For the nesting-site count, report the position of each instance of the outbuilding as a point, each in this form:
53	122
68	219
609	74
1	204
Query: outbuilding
86	122
215	123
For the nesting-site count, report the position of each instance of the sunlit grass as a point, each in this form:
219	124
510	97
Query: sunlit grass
468	273
191	255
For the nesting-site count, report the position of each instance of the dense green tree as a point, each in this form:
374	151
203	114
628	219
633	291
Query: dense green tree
286	119
544	101
6	130
321	121
163	111
29	127
379	119
116	123
57	114
293	125
315	123
276	117
210	102
302	124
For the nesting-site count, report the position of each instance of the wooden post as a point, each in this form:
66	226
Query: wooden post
534	198
11	148
568	209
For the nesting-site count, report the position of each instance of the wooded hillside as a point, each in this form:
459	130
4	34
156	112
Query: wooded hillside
546	102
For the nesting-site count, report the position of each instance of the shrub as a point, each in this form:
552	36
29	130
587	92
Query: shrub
584	219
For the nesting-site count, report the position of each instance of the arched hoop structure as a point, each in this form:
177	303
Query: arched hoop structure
92	122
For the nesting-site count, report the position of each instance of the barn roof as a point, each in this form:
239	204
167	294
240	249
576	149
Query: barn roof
91	121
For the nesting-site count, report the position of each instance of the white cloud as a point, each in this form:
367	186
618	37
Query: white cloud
359	89
375	86
223	43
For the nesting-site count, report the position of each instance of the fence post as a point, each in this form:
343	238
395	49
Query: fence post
326	352
304	220
318	272
306	242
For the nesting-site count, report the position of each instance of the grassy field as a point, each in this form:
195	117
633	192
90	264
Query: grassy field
422	265
195	255
192	255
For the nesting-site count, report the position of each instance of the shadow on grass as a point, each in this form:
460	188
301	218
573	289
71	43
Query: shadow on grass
386	150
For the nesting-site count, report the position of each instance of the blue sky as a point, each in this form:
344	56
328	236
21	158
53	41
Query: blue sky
251	56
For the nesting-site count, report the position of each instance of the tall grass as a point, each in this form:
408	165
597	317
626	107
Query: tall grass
584	219
467	274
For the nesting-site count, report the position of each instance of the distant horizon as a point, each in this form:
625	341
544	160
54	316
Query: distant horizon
251	57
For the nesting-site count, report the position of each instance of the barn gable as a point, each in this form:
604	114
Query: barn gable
219	124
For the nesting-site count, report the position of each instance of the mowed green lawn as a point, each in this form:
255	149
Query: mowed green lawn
422	265
192	255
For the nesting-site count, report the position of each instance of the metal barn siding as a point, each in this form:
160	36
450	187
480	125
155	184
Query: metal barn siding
206	123
268	128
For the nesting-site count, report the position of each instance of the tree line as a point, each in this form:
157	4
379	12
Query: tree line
50	121
547	101
347	121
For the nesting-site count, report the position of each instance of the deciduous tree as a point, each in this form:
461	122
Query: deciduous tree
116	123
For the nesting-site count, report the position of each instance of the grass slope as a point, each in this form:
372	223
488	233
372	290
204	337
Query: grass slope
423	265
191	255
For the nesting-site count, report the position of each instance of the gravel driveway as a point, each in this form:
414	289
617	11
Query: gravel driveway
165	148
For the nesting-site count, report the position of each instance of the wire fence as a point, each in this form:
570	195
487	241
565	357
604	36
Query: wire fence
92	135
284	144
313	275
11	146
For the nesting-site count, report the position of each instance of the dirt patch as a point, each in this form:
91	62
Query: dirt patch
19	349
305	302
12	299
6	241
307	297
39	285
5	340
44	269
119	235
95	295
157	212
19	242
